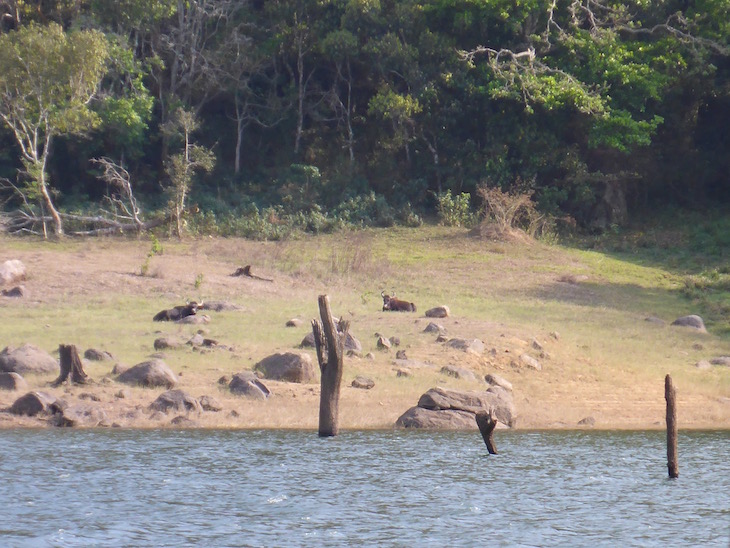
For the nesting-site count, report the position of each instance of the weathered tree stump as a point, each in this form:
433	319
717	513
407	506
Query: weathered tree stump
71	366
330	351
487	424
670	394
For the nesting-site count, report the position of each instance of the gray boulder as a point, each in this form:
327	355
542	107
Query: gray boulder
458	372
12	381
247	384
438	312
363	382
496	399
163	343
530	362
27	359
12	271
474	346
721	360
32	404
351	343
84	415
175	400
288	366
693	321
152	373
209	403
435	328
495	380
220	306
97	355
449	419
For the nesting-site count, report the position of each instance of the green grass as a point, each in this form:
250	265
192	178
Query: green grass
498	292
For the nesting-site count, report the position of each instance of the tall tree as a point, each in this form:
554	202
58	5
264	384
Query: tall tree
47	79
182	166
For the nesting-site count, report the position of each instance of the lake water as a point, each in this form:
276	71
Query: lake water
64	487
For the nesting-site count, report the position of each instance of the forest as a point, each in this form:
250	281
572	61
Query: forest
253	118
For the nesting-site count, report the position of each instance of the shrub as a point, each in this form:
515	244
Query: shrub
454	210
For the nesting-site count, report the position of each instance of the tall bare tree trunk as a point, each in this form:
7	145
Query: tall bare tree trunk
330	350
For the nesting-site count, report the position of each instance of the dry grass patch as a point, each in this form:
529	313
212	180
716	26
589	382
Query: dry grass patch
607	362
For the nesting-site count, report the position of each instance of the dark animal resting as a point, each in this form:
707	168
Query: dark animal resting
177	313
391	303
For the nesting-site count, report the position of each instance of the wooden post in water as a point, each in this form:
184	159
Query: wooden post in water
486	424
670	394
330	347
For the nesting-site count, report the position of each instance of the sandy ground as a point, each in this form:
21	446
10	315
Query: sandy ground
102	273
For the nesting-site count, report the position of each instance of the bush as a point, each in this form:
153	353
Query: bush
454	210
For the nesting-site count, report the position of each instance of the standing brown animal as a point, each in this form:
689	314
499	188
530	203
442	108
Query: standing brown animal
177	313
391	303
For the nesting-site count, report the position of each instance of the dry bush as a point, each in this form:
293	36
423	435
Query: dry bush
509	216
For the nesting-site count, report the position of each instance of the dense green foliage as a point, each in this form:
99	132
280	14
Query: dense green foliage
323	113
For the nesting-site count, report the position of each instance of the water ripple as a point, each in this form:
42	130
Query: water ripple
400	488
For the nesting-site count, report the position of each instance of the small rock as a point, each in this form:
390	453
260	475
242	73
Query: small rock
12	381
401	355
363	382
434	328
383	343
531	362
473	346
457	372
403	373
97	355
588	421
294	322
703	365
438	312
496	380
12	271
722	360
164	343
693	321
209	403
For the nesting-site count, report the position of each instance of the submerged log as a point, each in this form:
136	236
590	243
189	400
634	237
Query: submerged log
487	424
330	351
670	394
70	366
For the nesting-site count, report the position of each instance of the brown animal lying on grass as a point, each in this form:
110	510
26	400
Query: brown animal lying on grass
391	303
177	313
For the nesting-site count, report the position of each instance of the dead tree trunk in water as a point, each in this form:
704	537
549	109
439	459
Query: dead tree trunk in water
70	365
670	394
487	424
330	347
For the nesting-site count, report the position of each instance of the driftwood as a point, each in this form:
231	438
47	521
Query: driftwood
670	394
246	271
330	351
71	366
487	424
20	221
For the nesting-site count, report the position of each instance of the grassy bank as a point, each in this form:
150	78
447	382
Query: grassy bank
586	304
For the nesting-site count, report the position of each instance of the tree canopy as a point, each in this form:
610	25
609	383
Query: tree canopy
600	109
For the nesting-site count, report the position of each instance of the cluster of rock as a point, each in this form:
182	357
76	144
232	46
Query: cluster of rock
441	408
